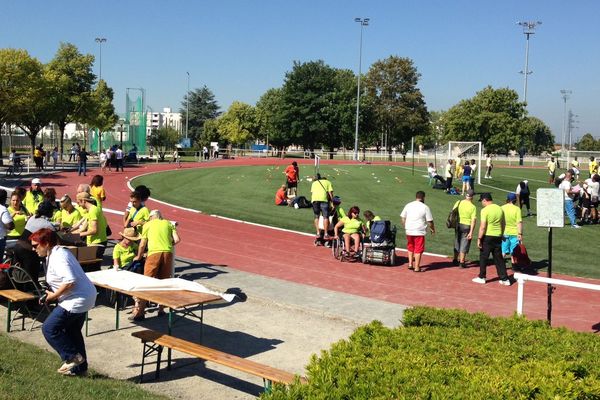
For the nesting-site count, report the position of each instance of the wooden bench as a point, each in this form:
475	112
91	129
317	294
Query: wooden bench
15	296
155	341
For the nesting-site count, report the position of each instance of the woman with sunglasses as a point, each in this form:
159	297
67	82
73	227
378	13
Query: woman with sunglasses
352	228
75	294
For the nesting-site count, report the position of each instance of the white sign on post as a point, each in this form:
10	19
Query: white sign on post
550	208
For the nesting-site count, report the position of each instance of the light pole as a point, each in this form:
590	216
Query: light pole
565	94
363	22
571	127
528	30
187	106
100	40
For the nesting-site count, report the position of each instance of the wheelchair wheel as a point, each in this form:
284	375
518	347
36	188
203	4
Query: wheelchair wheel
336	249
364	256
393	257
17	169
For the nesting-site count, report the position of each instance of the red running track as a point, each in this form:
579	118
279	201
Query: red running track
293	257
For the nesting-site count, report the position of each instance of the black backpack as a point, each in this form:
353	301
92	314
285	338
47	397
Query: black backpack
452	221
303	202
380	231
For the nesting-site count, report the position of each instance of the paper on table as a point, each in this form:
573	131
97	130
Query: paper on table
130	281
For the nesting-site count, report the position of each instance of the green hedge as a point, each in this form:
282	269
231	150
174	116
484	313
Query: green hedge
451	354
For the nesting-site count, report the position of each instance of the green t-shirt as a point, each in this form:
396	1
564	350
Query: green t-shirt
466	212
351	225
493	215
142	215
159	234
31	201
95	214
319	190
512	216
124	254
20	220
67	219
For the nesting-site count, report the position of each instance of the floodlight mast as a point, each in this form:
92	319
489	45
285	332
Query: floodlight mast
528	30
363	22
565	94
100	40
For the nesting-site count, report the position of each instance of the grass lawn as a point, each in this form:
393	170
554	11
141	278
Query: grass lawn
27	372
247	193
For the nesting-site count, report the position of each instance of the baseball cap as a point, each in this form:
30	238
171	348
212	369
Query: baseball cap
36	181
511	196
485	196
470	193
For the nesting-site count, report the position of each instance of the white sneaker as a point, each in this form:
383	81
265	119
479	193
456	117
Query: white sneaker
72	363
505	282
576	226
478	280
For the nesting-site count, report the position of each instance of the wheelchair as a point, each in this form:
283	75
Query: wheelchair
339	251
381	250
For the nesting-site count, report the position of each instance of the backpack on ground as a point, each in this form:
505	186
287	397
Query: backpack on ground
380	231
452	220
522	259
303	202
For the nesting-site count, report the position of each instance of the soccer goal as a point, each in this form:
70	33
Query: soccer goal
317	164
467	151
583	157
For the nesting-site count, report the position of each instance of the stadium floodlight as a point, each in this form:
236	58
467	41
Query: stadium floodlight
363	22
565	94
187	106
100	40
528	30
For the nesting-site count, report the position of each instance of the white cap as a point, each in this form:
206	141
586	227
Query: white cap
36	181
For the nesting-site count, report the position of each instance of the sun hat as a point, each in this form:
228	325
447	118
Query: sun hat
85	196
130	233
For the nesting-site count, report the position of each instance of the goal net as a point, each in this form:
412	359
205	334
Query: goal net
583	157
466	151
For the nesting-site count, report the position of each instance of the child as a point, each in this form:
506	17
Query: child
126	250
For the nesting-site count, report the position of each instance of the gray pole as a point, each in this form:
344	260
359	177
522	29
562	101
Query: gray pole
363	22
187	106
528	30
100	40
565	94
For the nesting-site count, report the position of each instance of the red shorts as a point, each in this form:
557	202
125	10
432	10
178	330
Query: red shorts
415	244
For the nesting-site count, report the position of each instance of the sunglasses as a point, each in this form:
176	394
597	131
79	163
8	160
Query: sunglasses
34	245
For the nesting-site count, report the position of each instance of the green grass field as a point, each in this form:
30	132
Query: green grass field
28	372
247	193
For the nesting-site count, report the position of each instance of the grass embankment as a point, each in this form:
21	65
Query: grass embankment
27	372
247	193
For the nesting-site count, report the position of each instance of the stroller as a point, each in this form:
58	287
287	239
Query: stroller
381	249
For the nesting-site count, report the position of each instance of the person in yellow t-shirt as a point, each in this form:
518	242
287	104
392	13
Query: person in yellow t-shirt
551	170
467	216
69	215
125	251
34	196
97	190
593	166
489	239
321	194
513	233
353	229
95	231
138	213
158	237
19	215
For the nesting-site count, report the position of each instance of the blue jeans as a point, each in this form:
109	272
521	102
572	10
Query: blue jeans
570	210
82	167
62	330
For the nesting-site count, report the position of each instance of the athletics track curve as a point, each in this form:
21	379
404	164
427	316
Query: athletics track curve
291	256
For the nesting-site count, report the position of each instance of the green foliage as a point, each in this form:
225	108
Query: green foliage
588	143
536	136
239	124
398	104
102	111
163	140
268	112
202	107
450	354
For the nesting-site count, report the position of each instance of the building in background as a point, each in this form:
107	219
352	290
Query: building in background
166	118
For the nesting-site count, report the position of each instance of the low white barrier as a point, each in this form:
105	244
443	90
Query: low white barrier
522	278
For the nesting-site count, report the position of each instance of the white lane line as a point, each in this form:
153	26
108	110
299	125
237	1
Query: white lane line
524	177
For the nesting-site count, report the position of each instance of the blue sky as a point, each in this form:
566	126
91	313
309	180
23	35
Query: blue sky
239	49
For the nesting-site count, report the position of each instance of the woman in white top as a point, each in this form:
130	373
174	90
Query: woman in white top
75	294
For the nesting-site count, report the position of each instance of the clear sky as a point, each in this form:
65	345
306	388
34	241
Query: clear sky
240	49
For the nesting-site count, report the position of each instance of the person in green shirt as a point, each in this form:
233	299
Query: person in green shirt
370	218
69	215
19	215
34	196
467	216
125	251
489	239
321	192
513	233
352	229
138	213
95	229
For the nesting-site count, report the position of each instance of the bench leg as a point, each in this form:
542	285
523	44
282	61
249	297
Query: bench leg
147	351
268	385
8	319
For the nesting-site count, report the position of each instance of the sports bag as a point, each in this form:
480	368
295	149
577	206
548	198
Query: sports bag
380	231
452	220
303	202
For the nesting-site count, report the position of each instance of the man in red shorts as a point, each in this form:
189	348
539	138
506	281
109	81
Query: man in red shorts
416	216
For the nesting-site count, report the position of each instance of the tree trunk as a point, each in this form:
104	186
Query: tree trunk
389	149
331	148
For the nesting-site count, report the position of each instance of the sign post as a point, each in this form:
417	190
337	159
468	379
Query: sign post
550	214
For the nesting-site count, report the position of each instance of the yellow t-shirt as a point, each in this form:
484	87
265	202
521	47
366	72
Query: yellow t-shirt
82	211
67	219
95	214
159	234
20	220
593	167
142	215
493	215
98	193
319	190
351	225
551	166
31	201
512	216
466	212
124	254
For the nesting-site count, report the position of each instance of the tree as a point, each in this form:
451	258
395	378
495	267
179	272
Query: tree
103	114
536	136
588	143
163	140
210	132
398	104
202	107
239	124
305	96
71	79
492	116
268	113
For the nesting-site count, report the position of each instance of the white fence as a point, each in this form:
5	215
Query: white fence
522	278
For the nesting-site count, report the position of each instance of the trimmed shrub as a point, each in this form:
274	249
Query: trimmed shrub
451	354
